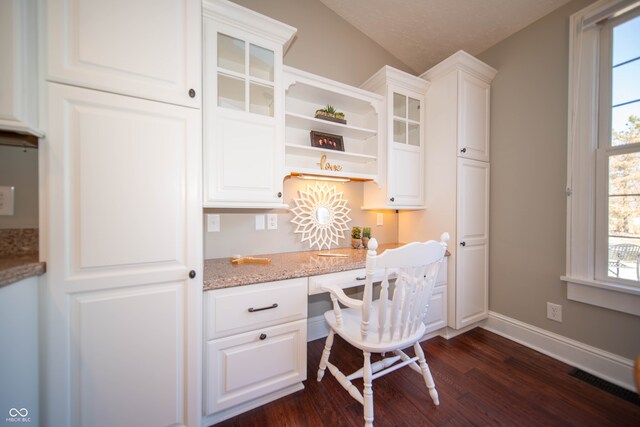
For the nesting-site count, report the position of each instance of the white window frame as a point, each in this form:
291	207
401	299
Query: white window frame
585	281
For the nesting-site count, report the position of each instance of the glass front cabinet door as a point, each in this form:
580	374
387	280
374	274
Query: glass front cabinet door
243	107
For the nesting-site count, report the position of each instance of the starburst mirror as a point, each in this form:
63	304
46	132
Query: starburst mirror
321	215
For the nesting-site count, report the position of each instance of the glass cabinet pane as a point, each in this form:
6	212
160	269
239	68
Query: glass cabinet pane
414	109
261	99
261	63
400	131
231	53
414	134
230	92
399	105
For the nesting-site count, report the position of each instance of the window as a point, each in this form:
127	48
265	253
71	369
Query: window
603	205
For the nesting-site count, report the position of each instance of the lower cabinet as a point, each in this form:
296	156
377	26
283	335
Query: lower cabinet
256	348
436	317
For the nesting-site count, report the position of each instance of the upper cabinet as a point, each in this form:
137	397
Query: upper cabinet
358	157
243	107
470	81
402	181
18	67
113	46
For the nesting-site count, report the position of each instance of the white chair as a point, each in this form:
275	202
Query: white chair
385	325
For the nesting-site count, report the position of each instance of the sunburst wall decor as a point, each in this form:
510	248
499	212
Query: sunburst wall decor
321	215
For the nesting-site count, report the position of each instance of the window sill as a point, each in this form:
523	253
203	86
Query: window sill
603	294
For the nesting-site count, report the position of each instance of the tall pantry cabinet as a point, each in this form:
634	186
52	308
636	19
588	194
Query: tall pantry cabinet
121	227
457	181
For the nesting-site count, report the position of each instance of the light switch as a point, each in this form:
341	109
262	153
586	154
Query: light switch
213	223
259	222
272	221
379	219
6	200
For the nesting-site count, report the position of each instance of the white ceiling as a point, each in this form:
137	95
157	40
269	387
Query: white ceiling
422	33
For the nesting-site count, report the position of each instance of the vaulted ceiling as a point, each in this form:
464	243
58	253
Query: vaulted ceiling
421	33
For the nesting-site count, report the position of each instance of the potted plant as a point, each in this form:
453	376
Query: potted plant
366	235
356	237
330	113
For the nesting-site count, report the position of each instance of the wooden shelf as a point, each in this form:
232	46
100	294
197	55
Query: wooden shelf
303	122
341	174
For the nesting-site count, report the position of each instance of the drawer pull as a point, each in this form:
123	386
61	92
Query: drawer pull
252	310
263	336
361	278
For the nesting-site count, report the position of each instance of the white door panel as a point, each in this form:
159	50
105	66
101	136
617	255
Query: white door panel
114	46
473	118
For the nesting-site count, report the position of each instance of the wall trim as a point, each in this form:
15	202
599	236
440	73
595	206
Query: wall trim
613	368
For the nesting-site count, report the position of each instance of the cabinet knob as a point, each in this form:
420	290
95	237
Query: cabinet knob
192	274
279	194
192	93
463	243
464	150
393	199
263	336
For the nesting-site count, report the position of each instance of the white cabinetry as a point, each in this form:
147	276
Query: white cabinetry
402	182
243	107
457	179
122	230
306	93
256	345
18	67
144	48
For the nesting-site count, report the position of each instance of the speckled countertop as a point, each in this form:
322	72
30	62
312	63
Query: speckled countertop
19	255
220	273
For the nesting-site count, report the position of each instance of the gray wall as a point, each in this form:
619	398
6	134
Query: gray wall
19	169
326	44
528	175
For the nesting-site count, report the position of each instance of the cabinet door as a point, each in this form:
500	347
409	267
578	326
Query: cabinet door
473	118
406	152
122	319
144	48
18	70
472	264
250	365
436	317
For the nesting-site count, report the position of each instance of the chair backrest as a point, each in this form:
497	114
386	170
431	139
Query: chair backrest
416	267
624	252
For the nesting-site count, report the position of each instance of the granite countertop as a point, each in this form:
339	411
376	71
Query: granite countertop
219	273
16	268
19	255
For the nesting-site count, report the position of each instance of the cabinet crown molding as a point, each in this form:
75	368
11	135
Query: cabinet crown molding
245	19
461	61
389	75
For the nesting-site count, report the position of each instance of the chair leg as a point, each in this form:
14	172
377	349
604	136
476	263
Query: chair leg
426	374
368	390
325	355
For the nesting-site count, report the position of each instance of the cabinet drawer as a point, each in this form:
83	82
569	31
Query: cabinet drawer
244	367
244	308
344	279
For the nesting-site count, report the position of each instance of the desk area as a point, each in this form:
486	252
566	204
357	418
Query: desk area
259	312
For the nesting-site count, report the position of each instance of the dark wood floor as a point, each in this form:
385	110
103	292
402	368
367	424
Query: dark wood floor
482	379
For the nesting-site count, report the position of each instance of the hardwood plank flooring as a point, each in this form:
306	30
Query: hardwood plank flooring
482	379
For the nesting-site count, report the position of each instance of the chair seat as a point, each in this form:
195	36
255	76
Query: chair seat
350	330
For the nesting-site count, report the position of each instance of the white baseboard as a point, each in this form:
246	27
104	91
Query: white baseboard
608	366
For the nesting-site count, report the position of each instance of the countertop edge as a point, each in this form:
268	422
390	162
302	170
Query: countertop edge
17	273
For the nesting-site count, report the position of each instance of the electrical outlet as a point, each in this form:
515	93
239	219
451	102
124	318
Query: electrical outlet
213	223
554	312
272	221
379	219
259	222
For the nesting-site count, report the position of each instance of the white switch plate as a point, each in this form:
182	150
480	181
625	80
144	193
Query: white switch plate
259	222
379	219
213	223
272	221
6	200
